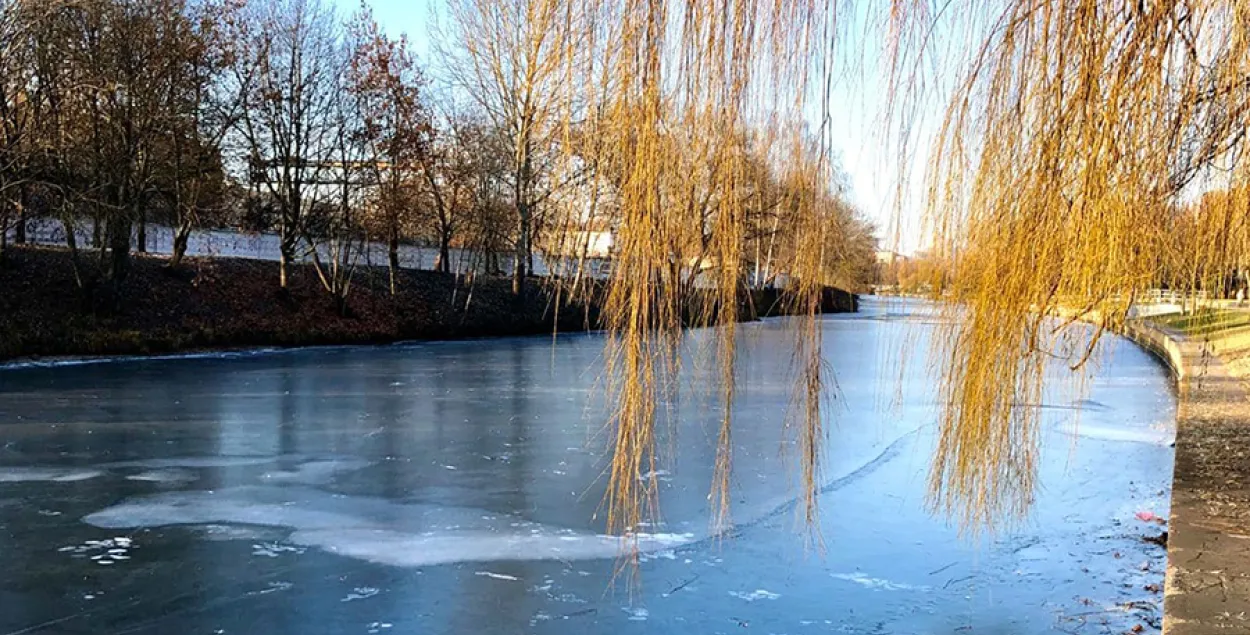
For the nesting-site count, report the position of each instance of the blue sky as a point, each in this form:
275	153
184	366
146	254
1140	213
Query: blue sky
855	128
401	16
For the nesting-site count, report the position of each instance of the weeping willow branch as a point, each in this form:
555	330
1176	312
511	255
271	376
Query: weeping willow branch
1074	167
1073	170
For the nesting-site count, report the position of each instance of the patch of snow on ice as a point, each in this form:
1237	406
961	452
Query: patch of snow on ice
876	583
197	462
47	474
102	552
232	532
758	594
373	529
273	550
167	476
637	614
316	472
666	554
497	576
273	587
360	593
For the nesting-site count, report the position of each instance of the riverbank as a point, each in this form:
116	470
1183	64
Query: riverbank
225	303
229	303
1208	576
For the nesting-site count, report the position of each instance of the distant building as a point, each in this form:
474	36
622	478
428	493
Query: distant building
598	244
890	258
587	243
886	276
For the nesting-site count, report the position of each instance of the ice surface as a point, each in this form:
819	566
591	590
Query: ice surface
637	614
221	533
169	476
876	583
52	474
376	530
316	472
196	462
405	549
497	576
102	552
1150	436
360	593
273	550
758	594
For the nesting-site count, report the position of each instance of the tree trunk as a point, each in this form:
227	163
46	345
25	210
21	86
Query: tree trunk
393	253
143	232
182	236
522	258
286	253
119	250
97	230
283	259
19	233
71	241
518	274
4	238
444	253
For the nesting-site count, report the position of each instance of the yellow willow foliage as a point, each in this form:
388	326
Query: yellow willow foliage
1061	179
1065	177
680	80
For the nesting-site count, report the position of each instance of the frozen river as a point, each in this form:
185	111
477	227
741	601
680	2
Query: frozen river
453	488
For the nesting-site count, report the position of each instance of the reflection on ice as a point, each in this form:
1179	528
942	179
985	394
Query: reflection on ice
375	530
196	462
1150	436
53	474
405	549
876	583
170	476
317	472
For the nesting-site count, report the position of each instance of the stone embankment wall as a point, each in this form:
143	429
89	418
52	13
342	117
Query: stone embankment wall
1208	576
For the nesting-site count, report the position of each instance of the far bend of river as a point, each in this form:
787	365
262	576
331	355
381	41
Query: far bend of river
453	488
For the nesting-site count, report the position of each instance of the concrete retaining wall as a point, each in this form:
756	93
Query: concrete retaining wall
1208	576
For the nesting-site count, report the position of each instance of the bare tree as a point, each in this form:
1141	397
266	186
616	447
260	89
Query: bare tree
204	109
395	126
513	58
17	115
289	109
452	170
124	55
338	241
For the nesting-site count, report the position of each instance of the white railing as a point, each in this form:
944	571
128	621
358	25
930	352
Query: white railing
231	243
